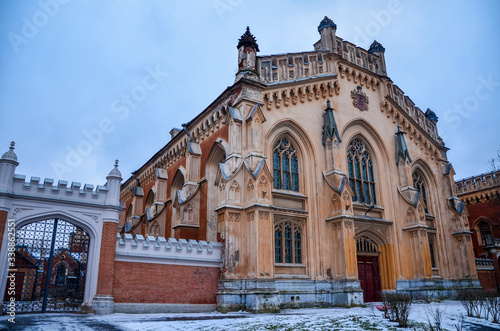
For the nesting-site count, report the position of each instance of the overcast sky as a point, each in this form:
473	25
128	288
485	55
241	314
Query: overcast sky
68	70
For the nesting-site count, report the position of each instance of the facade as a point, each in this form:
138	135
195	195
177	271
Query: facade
312	181
481	195
323	182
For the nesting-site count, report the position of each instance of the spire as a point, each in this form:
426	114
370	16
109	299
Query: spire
401	149
248	40
326	22
10	155
115	173
330	127
376	47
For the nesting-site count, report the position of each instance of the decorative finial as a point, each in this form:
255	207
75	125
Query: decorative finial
248	39
376	47
431	115
184	128
115	172
402	152
330	130
10	155
326	22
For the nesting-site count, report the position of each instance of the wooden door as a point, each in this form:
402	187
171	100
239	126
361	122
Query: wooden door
369	277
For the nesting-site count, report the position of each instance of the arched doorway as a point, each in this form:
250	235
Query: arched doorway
50	267
368	269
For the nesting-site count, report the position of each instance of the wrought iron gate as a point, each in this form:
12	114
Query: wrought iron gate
50	268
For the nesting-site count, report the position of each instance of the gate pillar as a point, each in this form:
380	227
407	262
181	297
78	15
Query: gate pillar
103	302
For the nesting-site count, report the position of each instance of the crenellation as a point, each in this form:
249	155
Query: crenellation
61	184
408	106
61	190
149	250
292	66
478	183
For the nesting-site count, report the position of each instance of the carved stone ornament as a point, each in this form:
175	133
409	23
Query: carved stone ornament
359	99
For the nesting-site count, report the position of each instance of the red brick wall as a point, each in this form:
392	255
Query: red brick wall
187	233
489	209
164	283
487	280
3	224
107	259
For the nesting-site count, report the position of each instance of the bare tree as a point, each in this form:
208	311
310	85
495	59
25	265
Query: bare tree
492	162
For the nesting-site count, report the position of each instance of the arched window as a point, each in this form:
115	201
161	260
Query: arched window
486	236
431	250
288	243
61	275
149	203
419	184
150	199
285	166
129	213
360	168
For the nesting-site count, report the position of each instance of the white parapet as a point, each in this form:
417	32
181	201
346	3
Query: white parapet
61	191
168	251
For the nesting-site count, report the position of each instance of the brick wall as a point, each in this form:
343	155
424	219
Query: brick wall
487	280
489	209
164	283
107	259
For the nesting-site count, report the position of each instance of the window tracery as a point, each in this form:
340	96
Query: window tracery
486	236
285	166
360	169
288	243
419	184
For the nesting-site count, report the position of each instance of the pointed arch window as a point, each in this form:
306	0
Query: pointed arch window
61	275
285	166
486	236
419	184
431	251
360	168
288	243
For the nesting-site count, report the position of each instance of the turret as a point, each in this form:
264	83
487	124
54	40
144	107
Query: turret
327	31
247	56
114	181
8	164
379	50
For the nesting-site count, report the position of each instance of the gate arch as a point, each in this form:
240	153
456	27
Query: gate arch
51	258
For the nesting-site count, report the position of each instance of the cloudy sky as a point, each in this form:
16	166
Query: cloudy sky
68	69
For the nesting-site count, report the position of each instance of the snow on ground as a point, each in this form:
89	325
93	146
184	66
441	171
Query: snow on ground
359	318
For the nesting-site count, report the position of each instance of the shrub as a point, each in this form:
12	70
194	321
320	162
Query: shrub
473	302
492	307
399	305
436	315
